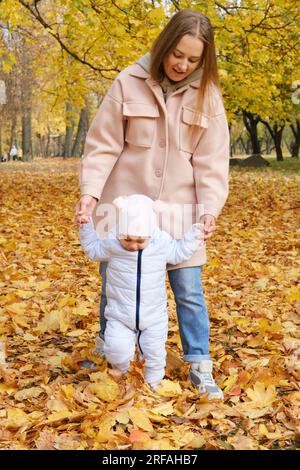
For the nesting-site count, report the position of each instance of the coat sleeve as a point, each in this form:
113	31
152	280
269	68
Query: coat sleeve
181	250
211	163
96	248
104	143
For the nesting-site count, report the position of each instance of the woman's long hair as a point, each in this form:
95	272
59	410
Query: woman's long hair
195	24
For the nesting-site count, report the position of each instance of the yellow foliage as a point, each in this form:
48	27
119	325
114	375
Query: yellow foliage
49	306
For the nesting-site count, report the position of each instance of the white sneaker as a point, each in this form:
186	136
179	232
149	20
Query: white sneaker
99	347
154	386
201	377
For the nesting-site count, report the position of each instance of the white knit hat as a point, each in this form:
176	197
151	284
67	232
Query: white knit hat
136	216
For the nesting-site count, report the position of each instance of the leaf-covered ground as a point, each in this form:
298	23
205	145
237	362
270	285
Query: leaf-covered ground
49	318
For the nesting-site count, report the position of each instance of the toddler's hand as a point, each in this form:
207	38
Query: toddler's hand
82	219
199	227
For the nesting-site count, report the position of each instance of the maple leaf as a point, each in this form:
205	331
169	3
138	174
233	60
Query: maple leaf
261	395
168	388
106	389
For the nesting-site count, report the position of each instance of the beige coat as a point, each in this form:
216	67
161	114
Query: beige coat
140	144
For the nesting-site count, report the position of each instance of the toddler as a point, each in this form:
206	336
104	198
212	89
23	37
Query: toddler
137	252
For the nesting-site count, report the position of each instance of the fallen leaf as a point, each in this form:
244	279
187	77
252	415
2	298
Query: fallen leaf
140	419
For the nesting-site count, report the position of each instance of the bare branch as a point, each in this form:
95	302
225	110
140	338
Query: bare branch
37	15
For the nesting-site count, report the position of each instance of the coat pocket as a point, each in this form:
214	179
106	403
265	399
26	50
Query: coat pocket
189	134
141	123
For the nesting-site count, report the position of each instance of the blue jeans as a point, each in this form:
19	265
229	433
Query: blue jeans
192	313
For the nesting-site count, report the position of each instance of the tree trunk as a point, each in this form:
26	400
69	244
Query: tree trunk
26	136
41	145
251	122
60	146
276	132
81	133
296	144
1	152
242	145
69	132
277	140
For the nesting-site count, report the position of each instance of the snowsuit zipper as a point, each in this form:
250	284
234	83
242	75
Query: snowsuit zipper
138	297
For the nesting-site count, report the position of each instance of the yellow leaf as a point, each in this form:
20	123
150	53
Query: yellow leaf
54	320
122	417
76	333
157	418
66	301
197	442
29	337
16	418
293	294
229	382
7	389
68	390
24	294
261	395
261	284
58	416
263	431
20	320
140	419
251	410
165	409
57	405
42	285
163	444
32	392
81	310
168	388
182	438
106	390
242	442
17	309
105	428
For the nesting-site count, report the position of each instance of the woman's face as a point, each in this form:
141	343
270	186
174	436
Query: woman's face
184	59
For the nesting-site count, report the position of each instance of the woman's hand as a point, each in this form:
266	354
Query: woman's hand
84	208
208	225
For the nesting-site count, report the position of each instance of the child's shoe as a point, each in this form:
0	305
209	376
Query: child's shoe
98	351
99	347
201	377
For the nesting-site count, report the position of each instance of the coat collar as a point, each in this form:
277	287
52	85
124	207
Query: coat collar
138	71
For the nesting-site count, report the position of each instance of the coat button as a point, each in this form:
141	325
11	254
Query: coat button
158	173
162	143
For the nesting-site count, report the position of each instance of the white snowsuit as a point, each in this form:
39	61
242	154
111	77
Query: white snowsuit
136	294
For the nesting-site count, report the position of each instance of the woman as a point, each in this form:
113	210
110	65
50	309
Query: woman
161	131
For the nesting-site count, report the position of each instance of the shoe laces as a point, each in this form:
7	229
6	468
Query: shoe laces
207	379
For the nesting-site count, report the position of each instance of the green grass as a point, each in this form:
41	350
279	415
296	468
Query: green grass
289	164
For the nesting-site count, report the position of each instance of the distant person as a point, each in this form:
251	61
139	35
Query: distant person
13	153
5	157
